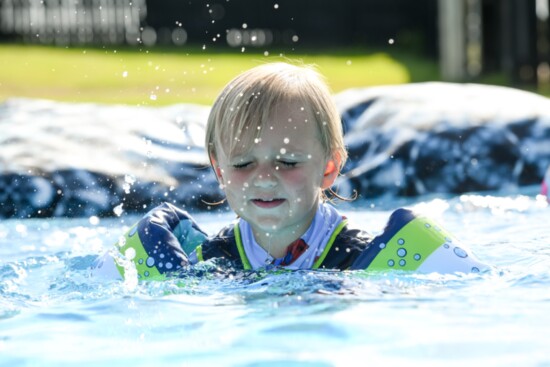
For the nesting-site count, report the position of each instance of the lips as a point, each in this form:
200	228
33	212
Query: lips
267	203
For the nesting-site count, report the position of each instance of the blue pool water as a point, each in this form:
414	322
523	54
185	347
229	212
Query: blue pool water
53	313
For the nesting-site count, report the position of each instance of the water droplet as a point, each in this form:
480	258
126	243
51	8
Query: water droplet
150	261
401	252
283	151
391	41
245	25
391	263
21	228
94	220
124	74
382	245
276	6
460	252
130	253
121	241
286	140
118	210
400	241
130	179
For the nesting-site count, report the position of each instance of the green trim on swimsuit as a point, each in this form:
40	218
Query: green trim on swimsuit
239	242
329	244
198	251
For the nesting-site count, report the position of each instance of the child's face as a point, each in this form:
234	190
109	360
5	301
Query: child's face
275	185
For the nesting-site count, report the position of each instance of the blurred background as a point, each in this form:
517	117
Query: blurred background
167	51
117	56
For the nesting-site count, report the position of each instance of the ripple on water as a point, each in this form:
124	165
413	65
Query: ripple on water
44	281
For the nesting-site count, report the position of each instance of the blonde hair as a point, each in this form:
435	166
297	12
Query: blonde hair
246	103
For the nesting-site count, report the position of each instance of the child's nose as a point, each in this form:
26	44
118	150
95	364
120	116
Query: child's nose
265	178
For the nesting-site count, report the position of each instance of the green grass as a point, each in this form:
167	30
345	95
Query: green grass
168	76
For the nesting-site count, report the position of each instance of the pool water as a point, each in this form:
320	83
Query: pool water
53	313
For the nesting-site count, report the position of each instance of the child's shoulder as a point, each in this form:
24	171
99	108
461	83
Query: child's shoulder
223	244
348	244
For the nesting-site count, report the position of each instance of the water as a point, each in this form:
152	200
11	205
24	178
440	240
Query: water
52	313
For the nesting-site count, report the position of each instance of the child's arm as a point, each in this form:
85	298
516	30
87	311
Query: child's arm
415	243
158	244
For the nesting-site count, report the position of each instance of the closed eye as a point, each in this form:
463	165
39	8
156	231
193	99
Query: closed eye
241	165
288	163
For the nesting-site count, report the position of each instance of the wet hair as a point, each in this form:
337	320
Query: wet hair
246	103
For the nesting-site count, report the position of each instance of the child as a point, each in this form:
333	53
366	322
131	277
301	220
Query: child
275	142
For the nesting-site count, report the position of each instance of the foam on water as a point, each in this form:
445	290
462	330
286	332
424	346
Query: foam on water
53	313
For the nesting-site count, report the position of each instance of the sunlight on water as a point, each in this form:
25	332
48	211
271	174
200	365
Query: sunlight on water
49	304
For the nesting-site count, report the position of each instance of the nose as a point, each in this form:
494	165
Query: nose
265	177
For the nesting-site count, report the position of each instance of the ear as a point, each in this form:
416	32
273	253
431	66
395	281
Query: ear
331	172
216	168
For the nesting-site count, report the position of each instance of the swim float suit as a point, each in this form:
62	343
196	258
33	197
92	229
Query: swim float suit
168	240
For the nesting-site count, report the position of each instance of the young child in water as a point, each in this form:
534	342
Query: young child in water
275	142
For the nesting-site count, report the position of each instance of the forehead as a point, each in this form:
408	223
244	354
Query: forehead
289	116
288	123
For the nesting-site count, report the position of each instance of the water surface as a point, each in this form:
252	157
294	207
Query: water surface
53	313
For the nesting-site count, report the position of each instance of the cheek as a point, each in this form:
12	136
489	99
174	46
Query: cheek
236	183
237	178
302	179
295	177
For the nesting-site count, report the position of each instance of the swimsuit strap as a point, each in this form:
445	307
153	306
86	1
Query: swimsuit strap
329	244
240	247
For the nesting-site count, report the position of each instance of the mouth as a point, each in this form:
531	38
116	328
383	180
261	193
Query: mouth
268	203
